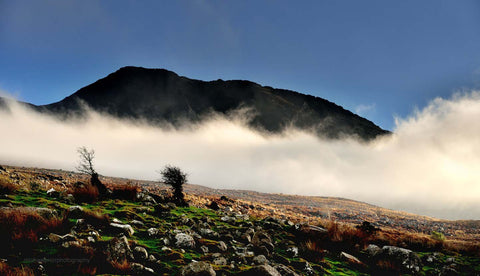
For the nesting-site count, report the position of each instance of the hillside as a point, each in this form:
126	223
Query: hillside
160	96
51	224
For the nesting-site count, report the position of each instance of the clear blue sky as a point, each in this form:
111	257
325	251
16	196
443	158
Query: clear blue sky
387	56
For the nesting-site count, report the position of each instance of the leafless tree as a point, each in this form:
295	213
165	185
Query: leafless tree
85	164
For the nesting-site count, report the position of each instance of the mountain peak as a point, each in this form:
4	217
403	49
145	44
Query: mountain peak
160	95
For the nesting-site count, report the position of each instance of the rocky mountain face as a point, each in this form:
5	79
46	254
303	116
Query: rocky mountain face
161	96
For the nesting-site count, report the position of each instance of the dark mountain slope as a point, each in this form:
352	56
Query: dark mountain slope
159	95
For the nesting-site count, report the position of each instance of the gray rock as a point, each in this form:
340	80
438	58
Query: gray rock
262	270
373	250
198	269
184	240
140	253
124	229
222	246
54	238
137	223
405	258
75	212
285	270
260	260
350	259
53	193
228	219
292	252
153	232
220	261
118	250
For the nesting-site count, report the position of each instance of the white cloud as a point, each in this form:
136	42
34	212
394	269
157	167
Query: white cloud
363	109
430	165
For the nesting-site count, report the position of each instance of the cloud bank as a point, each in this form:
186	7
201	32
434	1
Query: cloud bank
429	166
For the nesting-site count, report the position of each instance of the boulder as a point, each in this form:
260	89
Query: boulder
118	250
184	241
285	270
260	260
198	269
124	229
262	270
350	259
140	253
75	212
220	261
406	259
53	193
373	250
153	232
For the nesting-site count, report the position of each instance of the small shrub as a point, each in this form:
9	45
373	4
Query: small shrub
438	236
6	186
126	191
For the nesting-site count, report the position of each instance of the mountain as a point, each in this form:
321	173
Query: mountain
160	96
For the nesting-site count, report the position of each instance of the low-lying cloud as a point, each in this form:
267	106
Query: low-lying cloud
429	166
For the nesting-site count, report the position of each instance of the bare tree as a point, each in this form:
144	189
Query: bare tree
174	177
85	164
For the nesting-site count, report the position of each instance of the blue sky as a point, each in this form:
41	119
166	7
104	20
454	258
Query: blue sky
380	58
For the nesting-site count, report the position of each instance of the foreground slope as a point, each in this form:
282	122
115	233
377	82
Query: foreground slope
161	96
141	233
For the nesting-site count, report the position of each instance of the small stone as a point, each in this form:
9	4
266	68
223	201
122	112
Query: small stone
198	269
140	253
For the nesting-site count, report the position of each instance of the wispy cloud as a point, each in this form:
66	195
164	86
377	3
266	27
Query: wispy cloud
364	109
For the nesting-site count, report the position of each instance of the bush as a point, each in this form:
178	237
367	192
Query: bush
437	236
175	177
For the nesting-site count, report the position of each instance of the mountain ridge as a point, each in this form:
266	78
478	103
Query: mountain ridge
162	96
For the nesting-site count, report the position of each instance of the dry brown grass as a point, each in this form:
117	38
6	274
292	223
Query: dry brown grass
25	223
6	186
7	270
126	191
88	193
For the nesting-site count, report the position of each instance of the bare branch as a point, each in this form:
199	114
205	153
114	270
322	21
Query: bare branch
85	164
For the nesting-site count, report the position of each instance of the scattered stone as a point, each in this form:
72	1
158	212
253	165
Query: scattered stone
220	261
153	232
222	246
262	270
285	270
204	249
198	269
124	229
140	253
350	259
54	238
53	193
228	219
137	223
118	250
260	260
407	259
184	240
373	250
75	212
292	252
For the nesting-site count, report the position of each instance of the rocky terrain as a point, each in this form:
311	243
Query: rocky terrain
53	223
